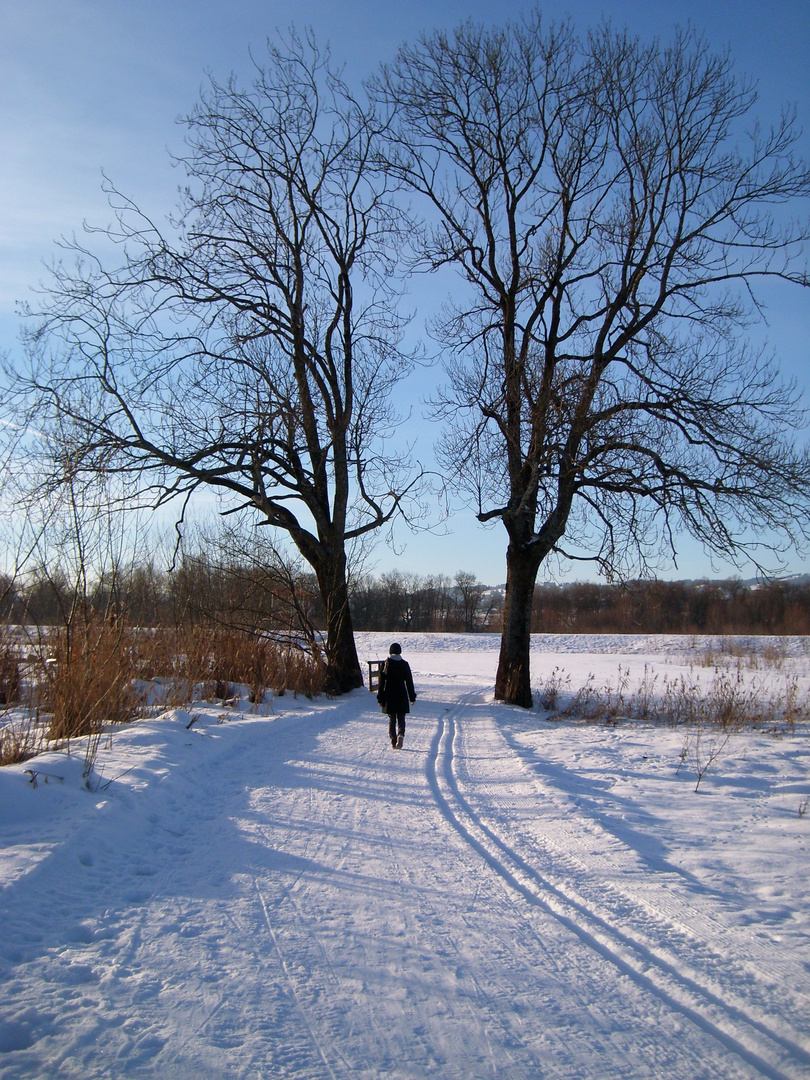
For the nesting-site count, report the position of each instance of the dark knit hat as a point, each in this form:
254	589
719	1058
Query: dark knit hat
395	649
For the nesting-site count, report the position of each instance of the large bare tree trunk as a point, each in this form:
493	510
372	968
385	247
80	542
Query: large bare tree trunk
512	683
343	672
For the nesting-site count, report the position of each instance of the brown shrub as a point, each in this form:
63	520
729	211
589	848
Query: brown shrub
9	672
88	678
212	661
88	674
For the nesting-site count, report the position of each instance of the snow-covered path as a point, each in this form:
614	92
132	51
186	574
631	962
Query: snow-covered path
286	896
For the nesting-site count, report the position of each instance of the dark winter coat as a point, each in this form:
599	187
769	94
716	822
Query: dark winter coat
396	686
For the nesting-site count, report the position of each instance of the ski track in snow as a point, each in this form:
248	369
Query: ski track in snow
285	896
766	1042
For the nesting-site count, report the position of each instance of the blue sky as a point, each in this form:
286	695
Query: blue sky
87	85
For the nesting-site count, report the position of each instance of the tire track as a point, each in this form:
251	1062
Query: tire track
773	1054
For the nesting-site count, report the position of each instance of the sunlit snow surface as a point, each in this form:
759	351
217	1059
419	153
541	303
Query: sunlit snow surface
284	895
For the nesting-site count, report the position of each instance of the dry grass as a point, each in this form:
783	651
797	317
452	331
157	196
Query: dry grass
87	681
729	701
20	740
9	670
709	711
755	654
20	735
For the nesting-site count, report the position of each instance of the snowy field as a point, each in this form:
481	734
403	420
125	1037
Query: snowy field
280	894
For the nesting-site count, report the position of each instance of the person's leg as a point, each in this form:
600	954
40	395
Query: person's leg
392	728
401	729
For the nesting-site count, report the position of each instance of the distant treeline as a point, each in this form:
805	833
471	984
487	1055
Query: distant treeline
400	601
673	607
272	596
248	593
435	603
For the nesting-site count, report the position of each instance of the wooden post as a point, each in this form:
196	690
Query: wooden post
374	669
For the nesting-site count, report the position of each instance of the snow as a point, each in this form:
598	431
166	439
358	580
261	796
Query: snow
275	892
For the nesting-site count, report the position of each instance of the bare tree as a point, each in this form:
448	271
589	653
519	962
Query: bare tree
471	593
611	217
251	346
253	586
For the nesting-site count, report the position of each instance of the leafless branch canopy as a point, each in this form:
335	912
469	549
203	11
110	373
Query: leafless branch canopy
611	218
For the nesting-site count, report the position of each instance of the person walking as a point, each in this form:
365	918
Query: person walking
396	693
